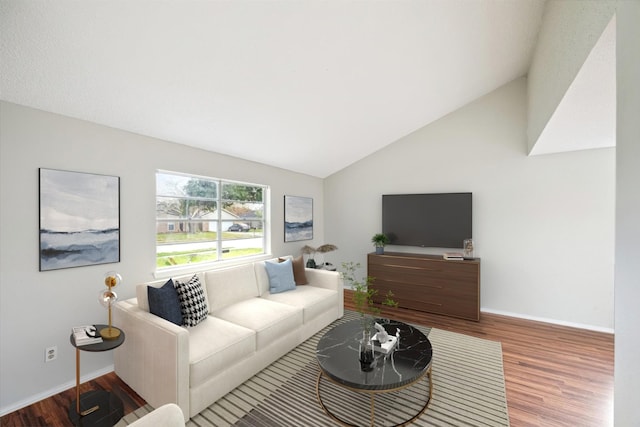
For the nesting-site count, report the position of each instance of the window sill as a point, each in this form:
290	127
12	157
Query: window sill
181	270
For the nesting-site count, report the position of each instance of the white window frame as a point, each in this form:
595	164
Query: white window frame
218	220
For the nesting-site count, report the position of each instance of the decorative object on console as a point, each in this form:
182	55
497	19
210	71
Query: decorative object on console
311	251
298	218
467	248
107	299
79	219
453	256
380	240
323	249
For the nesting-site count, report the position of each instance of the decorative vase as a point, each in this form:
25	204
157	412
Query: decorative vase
367	359
379	250
467	245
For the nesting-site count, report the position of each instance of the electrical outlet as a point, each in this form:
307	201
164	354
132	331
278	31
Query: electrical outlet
51	353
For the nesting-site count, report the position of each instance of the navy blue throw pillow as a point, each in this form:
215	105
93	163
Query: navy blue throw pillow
164	302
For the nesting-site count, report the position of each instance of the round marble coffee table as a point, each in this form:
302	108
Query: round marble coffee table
338	358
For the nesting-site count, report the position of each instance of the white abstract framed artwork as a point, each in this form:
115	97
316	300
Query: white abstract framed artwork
79	219
298	218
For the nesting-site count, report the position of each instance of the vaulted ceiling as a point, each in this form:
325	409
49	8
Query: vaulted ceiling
310	86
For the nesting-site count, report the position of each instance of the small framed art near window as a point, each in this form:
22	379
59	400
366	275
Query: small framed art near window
79	219
298	218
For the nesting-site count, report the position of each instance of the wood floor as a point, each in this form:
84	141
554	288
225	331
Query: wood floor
554	375
53	411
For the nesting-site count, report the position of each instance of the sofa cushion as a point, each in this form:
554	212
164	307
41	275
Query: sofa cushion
229	285
270	319
164	302
280	276
313	300
192	301
262	278
299	272
215	344
142	294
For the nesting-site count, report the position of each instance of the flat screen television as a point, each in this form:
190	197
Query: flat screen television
438	220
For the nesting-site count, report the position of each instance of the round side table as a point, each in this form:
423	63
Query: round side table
95	408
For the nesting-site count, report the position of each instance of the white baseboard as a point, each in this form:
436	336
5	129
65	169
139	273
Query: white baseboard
52	392
552	321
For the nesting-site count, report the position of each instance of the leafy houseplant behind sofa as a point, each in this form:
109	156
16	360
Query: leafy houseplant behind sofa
253	314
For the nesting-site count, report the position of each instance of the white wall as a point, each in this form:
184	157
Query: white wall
38	309
627	270
543	225
569	30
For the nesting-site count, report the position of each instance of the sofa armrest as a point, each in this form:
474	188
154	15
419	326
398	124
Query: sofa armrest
328	280
324	278
154	359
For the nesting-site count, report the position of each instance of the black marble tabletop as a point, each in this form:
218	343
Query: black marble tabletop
338	356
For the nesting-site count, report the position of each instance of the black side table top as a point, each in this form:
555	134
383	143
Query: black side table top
105	345
338	356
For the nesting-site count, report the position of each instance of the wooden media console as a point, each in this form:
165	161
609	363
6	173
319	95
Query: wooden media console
428	283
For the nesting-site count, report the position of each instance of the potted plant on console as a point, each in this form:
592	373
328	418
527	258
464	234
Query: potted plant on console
363	294
380	240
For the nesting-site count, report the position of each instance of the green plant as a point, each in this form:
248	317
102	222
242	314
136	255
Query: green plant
364	293
379	240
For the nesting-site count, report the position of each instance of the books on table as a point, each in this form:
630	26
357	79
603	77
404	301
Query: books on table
453	255
85	335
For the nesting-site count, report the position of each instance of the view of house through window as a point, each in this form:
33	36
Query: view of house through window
200	219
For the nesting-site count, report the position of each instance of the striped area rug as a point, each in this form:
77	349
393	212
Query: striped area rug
468	390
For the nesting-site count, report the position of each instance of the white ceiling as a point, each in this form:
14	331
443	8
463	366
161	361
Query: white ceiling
586	115
310	86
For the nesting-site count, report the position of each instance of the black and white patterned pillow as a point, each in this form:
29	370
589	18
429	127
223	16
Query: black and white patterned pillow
192	302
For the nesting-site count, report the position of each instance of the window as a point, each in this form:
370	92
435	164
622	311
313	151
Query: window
200	219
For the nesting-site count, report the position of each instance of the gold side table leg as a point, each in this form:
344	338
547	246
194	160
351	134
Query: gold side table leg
93	408
77	380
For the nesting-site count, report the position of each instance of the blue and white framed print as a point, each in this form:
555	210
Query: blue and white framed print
79	219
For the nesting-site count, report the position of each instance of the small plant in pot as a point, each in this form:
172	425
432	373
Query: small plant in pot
363	294
380	240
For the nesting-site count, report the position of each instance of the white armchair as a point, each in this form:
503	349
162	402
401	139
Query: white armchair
169	415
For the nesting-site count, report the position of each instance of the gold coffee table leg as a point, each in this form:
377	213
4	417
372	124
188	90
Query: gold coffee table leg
373	409
372	395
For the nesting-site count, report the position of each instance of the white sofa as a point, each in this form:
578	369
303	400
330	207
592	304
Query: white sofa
246	329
